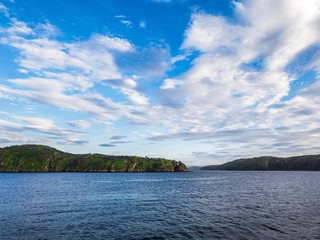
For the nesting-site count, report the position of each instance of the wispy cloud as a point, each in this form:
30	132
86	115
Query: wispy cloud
120	142
82	124
118	137
73	142
4	10
127	23
107	145
124	20
65	72
147	62
14	129
142	24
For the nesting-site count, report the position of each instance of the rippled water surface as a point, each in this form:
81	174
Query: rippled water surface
194	205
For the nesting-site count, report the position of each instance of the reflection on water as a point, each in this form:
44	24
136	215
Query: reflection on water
195	205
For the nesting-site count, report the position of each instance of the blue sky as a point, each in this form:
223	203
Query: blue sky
203	82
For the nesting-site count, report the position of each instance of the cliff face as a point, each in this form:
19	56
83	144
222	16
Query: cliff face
39	158
298	163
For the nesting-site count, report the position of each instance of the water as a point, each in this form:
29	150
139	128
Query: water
194	205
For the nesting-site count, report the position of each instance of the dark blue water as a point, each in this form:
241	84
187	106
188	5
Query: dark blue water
195	205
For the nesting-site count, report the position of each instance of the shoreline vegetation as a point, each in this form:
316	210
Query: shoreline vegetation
267	163
41	158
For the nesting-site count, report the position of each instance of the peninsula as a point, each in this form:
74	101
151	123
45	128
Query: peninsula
40	158
297	163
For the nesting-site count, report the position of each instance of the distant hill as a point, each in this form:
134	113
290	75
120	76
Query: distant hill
39	158
194	168
298	163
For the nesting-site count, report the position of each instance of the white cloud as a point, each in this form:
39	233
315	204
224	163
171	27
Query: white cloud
114	43
40	124
127	23
17	138
93	58
55	93
142	24
211	33
16	129
135	97
9	126
240	74
4	9
47	30
126	83
80	124
227	47
128	87
170	83
178	58
43	54
62	69
19	28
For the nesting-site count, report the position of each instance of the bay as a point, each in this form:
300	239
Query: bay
192	205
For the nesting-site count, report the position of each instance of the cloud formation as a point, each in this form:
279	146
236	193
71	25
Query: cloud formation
62	74
233	92
14	128
236	87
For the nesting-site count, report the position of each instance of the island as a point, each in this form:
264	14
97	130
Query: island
40	158
297	163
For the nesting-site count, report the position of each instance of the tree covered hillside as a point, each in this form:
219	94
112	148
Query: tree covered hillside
298	163
39	158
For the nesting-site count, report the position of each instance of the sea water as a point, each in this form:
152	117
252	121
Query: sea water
192	205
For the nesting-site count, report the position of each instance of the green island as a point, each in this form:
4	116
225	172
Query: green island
297	163
40	158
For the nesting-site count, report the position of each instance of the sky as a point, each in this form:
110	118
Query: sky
203	82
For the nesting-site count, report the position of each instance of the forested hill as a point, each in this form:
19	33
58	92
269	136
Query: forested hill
39	158
298	163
